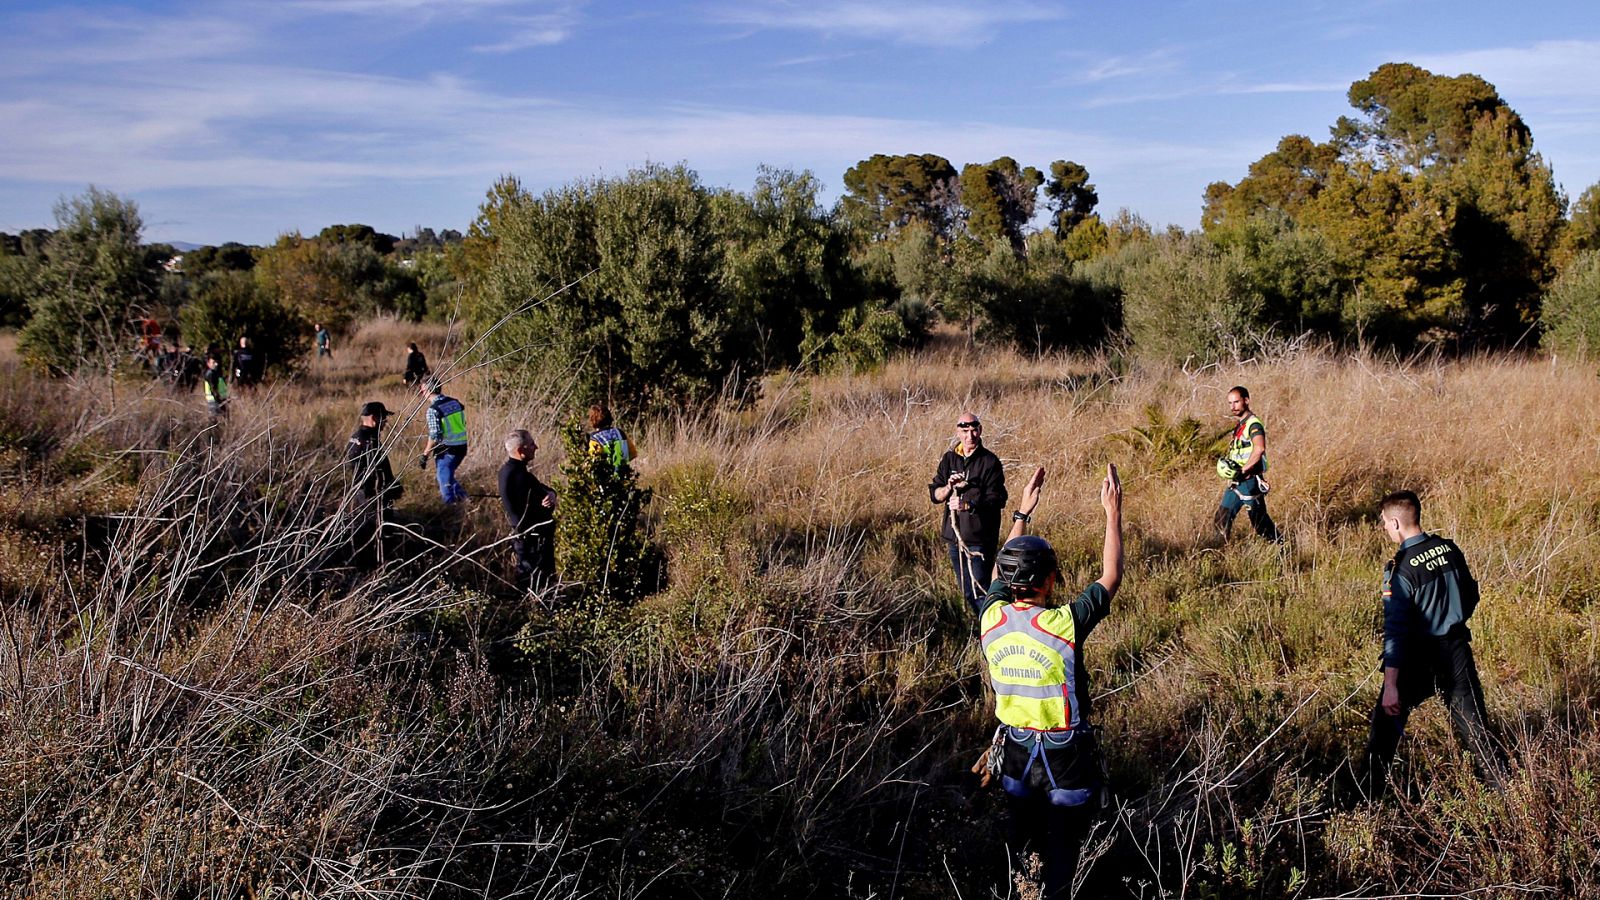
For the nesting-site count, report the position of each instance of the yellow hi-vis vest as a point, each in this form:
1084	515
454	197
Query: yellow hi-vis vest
1239	448
221	392
1032	662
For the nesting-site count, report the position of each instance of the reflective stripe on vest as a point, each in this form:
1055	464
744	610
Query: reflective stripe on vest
452	421
1240	448
611	444
1031	668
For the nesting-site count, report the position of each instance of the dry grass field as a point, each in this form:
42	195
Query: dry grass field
203	694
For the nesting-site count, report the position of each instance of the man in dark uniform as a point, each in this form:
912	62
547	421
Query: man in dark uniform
528	505
1428	595
369	464
416	365
1046	750
370	471
971	483
246	367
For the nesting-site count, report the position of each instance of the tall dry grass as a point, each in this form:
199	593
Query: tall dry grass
205	695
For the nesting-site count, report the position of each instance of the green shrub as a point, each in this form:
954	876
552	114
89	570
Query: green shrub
1571	312
1192	301
228	305
599	533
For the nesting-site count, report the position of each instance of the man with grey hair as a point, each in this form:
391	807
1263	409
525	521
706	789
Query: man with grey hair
528	505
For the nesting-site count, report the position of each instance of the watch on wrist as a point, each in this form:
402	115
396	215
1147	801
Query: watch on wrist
1020	516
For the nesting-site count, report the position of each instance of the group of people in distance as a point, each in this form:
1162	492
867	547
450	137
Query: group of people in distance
529	504
1045	751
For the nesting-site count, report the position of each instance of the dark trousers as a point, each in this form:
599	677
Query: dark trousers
1441	666
1035	824
536	561
1245	495
973	570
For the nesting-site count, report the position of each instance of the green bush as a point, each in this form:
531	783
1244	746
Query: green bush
599	535
1038	303
1192	301
1571	312
96	277
227	305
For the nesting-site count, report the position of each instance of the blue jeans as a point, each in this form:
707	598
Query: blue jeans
973	578
1245	495
444	466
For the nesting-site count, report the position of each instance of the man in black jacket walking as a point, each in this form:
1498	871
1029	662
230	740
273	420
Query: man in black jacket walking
1428	595
372	476
528	505
971	484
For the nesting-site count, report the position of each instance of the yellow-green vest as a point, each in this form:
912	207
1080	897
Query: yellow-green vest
1032	659
452	421
221	392
1239	448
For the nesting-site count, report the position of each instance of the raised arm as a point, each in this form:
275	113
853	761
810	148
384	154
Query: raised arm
1111	554
1030	502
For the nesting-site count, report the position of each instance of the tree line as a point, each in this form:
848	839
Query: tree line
1425	220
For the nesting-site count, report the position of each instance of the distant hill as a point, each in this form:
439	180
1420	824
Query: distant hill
183	246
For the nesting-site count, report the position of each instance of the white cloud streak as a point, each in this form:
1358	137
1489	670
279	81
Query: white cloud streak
936	23
1544	69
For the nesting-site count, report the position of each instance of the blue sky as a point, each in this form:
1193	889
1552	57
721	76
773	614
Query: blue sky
238	121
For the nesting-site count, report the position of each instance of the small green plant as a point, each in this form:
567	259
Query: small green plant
1171	444
599	534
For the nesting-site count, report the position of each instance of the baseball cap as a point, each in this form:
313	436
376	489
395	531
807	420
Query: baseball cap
374	409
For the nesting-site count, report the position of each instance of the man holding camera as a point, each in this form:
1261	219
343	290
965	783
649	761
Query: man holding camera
971	484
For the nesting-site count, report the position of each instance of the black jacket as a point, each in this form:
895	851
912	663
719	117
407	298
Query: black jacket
369	465
985	492
416	366
521	497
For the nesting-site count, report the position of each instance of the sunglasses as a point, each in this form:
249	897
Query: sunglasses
965	425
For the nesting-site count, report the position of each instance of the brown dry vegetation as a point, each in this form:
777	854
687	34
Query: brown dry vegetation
203	697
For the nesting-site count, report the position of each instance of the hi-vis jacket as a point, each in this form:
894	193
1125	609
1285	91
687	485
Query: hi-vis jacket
1240	447
1032	654
447	422
216	386
1032	663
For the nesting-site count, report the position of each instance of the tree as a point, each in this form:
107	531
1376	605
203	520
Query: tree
96	277
786	266
337	277
230	257
1069	196
1280	183
1572	307
1191	300
1583	229
365	235
227	305
886	193
22	264
999	198
1432	196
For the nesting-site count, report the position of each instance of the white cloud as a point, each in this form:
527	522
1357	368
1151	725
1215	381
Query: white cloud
1288	87
1545	69
941	23
206	125
1092	70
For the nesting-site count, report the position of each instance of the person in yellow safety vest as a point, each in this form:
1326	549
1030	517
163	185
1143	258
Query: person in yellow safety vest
606	439
1045	750
216	387
1244	466
447	440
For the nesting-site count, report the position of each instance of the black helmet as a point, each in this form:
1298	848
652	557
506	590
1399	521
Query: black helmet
1026	562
